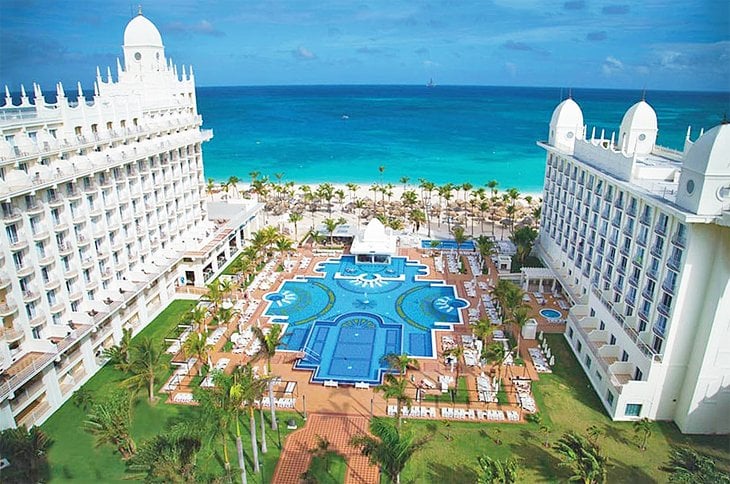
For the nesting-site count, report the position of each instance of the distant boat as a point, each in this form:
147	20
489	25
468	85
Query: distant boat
430	83
345	116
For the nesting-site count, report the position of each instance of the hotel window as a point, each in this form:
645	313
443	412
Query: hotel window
579	346
601	325
638	374
657	344
36	332
598	376
570	333
588	362
612	340
633	409
624	356
609	398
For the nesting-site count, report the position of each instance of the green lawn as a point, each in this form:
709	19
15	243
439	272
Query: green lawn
569	403
328	469
462	394
73	456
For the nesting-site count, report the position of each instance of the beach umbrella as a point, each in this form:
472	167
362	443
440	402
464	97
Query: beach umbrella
548	353
541	336
552	360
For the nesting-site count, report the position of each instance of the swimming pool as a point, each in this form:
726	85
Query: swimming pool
550	313
448	244
351	315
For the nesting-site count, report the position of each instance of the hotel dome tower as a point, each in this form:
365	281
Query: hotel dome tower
639	237
105	220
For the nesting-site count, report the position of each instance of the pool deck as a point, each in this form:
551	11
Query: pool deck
361	403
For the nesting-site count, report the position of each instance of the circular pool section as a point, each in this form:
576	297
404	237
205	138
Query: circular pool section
550	313
446	304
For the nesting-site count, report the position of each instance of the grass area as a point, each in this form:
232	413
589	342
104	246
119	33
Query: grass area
74	457
569	403
462	394
531	261
328	469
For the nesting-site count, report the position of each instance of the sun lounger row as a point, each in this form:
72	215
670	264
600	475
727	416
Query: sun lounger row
472	414
278	402
215	336
438	263
474	264
413	412
304	263
539	360
471	288
183	398
452	263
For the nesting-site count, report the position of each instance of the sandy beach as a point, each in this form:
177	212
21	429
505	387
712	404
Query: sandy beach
364	192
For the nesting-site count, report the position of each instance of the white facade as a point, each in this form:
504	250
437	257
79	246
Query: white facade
103	213
639	236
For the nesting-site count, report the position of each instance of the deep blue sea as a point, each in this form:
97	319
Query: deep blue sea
444	134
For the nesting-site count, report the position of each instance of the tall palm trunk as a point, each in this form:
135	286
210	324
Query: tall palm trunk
254	444
239	450
264	448
152	388
274	423
227	462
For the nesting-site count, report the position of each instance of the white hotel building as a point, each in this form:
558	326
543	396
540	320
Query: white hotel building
639	236
102	203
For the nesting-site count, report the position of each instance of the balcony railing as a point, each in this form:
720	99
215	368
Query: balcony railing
674	263
668	284
679	240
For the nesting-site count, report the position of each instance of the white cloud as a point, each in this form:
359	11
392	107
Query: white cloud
304	53
611	66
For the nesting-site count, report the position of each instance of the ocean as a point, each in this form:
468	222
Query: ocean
455	134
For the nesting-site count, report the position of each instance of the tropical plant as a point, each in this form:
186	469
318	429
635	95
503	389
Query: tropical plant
252	388
496	471
145	361
594	433
485	246
460	237
457	353
269	342
401	363
483	329
417	217
520	316
170	457
83	398
119	354
331	224
582	457
495	352
322	450
295	217
643	428
109	422
389	448
26	450
524	238
197	345
687	466
393	387
218	409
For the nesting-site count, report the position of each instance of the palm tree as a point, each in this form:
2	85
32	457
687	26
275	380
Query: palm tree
524	238
492	185
295	217
689	467
520	316
643	427
322	450
331	224
594	433
218	409
495	471
401	363
495	352
252	389
352	187
197	345
145	361
483	329
283	244
417	217
404	180
457	353
197	317
269	342
233	182
209	187
169	457
485	246
119	354
388	448
27	452
110	420
583	458
459	237
393	387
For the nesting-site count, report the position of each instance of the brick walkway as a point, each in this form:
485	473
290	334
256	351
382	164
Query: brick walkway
338	429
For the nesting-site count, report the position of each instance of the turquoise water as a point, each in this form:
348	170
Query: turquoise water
449	244
346	320
447	134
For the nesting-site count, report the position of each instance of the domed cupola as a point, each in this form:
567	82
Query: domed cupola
143	49
704	185
638	129
566	125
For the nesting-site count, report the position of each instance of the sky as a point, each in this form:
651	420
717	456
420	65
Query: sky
651	44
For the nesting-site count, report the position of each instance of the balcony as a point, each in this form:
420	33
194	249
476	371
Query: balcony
78	216
75	294
24	270
644	314
70	272
10	335
64	248
18	243
631	298
8	307
661	229
59	225
90	187
648	292
46	259
653	273
51	283
657	250
55	201
625	250
82	240
37	320
641	240
679	240
638	261
40	232
629	228
10	216
87	262
106	273
674	263
34	208
74	194
4	280
664	309
30	294
634	281
669	284
645	220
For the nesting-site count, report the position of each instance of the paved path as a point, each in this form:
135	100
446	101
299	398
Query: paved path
338	429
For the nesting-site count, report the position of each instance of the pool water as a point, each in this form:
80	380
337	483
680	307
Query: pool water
346	319
448	244
550	313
